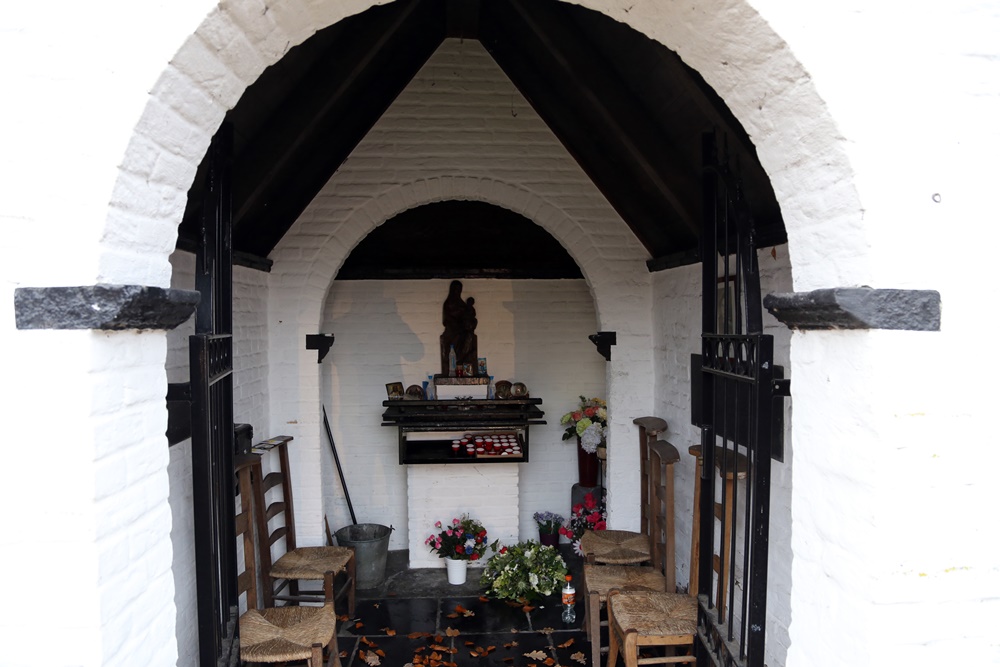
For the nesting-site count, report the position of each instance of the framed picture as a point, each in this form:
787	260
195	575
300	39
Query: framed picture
481	368
394	390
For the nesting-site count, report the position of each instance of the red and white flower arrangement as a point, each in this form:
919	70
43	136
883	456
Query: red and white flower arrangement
462	539
589	423
588	515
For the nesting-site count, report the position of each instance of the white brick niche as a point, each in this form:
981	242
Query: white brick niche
488	492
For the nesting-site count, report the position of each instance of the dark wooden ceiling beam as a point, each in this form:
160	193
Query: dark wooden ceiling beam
554	92
614	105
289	168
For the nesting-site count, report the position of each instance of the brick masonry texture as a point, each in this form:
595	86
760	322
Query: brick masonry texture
889	565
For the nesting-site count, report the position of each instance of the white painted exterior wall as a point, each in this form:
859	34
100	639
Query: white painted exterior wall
892	450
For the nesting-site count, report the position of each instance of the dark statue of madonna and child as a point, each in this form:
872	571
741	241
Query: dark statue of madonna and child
459	318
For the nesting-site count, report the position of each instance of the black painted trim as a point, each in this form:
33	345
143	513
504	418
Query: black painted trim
321	342
858	308
604	340
103	307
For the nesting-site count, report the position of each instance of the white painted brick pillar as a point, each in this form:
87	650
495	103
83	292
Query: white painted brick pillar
488	493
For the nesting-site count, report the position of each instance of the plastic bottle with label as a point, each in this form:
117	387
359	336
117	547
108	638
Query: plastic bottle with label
569	601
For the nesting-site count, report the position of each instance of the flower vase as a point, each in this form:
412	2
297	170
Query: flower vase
456	570
548	539
586	466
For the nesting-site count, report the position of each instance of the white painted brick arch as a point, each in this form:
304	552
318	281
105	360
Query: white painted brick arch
728	42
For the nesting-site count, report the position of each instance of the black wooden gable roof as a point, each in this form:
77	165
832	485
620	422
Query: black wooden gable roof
628	109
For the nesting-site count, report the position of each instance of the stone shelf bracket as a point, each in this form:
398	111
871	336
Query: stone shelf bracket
604	340
320	342
858	308
104	307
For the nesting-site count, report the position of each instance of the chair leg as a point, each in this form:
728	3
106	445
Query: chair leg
352	568
334	659
592	623
670	564
316	659
630	648
695	521
727	516
613	643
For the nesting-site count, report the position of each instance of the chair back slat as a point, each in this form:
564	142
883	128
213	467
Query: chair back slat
246	467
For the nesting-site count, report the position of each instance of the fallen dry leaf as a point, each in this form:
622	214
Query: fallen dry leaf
343	617
483	598
547	631
377	605
359	624
579	657
373	660
567	643
367	642
549	661
536	655
388	631
527	608
417	635
510	644
452	632
380	652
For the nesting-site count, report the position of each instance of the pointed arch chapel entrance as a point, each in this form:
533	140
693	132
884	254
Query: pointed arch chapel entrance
698	36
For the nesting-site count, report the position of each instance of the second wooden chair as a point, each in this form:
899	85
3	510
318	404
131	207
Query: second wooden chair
277	634
297	563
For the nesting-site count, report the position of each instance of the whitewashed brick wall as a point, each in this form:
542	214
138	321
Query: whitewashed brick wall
889	566
488	493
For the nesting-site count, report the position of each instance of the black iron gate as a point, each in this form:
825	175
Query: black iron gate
733	391
212	447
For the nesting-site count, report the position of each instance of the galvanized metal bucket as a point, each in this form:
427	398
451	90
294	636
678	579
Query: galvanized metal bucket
371	547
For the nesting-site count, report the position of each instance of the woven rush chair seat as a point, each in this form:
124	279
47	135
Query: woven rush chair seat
311	563
615	547
656	612
282	634
600	579
645	618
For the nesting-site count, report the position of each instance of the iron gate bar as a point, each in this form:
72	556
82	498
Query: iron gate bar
737	388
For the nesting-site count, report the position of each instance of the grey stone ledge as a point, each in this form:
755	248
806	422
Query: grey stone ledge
857	308
104	307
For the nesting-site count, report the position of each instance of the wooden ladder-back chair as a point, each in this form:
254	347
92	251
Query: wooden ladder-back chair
277	634
736	466
625	547
297	563
662	543
599	580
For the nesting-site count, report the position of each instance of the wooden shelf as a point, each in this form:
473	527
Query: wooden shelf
419	421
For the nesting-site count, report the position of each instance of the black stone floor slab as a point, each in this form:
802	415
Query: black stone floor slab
417	612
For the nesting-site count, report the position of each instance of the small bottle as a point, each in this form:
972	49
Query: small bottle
429	392
452	362
569	601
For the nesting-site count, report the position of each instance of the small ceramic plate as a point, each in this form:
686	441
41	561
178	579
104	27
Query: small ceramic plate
502	389
518	390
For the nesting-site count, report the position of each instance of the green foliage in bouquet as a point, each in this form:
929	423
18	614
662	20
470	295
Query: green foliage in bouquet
524	571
